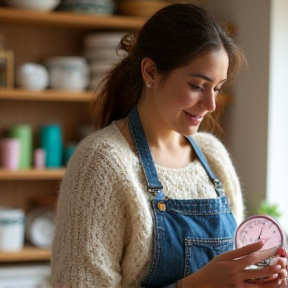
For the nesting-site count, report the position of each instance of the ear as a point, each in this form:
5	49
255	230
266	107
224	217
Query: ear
148	71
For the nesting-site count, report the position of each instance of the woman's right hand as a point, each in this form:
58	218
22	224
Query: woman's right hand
228	270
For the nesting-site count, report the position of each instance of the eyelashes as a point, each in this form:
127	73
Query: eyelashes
201	88
196	87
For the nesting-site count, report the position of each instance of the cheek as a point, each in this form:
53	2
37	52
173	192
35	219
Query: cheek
175	96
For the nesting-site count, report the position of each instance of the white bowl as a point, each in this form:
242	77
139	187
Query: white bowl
32	76
36	5
68	73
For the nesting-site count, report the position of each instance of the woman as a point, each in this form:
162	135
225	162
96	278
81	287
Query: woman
139	204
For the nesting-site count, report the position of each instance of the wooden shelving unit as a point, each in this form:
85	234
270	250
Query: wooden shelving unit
29	253
45	95
34	36
32	174
69	20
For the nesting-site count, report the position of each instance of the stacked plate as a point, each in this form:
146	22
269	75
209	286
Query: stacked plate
105	7
100	51
40	227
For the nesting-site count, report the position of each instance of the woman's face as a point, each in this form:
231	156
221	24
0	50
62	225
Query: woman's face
189	92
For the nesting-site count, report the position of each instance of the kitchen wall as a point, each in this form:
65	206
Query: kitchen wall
278	105
254	122
255	130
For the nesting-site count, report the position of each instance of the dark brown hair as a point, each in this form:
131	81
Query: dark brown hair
172	37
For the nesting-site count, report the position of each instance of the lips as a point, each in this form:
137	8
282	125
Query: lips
196	117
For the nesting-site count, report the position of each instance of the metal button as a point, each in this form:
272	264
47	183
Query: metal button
161	206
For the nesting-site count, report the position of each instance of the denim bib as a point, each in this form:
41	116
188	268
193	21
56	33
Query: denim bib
187	233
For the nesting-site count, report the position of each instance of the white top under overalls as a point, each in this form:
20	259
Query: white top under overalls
104	219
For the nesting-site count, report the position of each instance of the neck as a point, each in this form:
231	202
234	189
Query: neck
159	135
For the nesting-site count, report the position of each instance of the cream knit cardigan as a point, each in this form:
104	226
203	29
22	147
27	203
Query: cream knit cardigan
104	220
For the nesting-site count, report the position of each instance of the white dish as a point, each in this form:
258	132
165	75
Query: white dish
106	54
104	39
37	5
101	67
70	60
40	228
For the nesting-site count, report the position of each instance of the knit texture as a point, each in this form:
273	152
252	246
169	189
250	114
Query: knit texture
104	228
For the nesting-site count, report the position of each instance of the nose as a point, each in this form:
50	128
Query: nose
208	101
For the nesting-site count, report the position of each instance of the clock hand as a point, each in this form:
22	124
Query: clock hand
260	233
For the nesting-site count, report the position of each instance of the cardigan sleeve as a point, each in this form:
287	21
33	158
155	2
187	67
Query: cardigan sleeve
90	212
221	164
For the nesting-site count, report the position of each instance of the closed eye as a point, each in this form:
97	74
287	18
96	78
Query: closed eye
218	90
196	87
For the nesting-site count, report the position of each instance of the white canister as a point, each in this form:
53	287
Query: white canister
11	229
32	76
68	73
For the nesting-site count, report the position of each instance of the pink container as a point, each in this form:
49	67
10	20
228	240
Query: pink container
10	149
39	158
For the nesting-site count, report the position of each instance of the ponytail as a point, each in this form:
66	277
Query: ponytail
120	90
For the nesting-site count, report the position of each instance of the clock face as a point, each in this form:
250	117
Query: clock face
258	228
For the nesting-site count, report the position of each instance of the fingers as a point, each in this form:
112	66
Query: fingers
265	274
278	261
243	251
284	283
282	252
269	273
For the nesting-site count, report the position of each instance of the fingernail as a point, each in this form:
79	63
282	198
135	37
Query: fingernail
278	267
275	275
282	252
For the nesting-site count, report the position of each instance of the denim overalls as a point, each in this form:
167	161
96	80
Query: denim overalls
187	233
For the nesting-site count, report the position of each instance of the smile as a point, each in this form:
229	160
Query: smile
194	118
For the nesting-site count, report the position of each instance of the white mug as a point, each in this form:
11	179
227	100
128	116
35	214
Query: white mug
12	229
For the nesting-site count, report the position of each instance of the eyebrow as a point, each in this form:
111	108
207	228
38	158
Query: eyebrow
205	77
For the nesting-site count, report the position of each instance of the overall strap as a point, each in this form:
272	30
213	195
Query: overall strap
216	182
143	149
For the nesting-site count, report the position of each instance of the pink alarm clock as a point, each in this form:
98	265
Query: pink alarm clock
261	227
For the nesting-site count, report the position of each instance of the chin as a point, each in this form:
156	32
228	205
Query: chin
189	132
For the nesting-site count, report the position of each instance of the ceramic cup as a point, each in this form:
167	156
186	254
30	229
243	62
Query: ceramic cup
12	229
39	158
10	153
51	142
32	76
23	132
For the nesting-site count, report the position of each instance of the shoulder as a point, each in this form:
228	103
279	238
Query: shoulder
104	152
108	137
210	145
107	142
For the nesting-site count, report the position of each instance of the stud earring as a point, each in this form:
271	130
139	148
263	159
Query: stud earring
148	85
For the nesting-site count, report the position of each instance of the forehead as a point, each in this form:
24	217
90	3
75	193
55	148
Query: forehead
213	64
217	60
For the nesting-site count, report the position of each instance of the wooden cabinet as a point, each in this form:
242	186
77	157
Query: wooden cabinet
33	36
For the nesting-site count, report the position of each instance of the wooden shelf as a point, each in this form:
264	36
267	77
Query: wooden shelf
69	20
45	95
29	253
47	174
